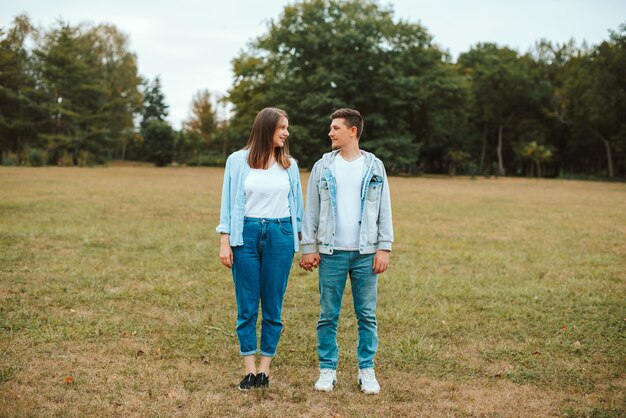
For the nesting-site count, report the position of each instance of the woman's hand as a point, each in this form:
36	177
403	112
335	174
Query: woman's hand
226	253
310	261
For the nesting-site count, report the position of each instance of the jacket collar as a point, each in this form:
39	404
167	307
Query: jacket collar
329	158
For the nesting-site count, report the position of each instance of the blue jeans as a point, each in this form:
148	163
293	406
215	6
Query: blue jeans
333	272
260	272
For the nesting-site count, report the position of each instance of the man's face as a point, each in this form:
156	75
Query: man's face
340	135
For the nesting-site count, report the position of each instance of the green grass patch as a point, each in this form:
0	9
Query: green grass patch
504	298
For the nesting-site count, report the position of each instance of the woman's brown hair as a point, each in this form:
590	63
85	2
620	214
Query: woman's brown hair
261	141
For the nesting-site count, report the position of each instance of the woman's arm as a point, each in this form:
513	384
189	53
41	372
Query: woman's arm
226	253
224	226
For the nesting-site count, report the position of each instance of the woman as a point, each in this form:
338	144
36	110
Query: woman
261	209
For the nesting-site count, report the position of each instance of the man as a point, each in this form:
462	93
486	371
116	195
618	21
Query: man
348	219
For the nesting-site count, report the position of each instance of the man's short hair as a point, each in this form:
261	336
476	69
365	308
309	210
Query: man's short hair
352	118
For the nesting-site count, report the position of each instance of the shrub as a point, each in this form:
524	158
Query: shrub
64	159
38	157
208	160
457	160
472	169
158	142
9	158
86	159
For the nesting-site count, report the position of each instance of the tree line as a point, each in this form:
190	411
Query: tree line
72	95
75	97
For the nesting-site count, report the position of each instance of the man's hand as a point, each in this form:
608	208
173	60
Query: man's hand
226	253
310	261
381	261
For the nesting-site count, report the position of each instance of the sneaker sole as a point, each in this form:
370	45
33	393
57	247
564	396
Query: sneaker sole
326	390
369	392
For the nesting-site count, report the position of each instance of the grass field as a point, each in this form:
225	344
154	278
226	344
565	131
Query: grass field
505	297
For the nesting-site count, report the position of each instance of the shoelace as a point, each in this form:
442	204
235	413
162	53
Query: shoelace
326	374
368	375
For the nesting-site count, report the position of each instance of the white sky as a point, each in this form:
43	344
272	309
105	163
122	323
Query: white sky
191	43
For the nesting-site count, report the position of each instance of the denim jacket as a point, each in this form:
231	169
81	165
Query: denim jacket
234	199
376	230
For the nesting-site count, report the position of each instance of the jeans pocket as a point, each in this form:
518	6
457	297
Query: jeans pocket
286	228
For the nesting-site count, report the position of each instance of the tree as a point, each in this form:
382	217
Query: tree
203	118
506	89
158	142
553	60
75	93
119	71
158	136
18	96
324	54
595	97
456	159
536	153
202	124
398	153
154	106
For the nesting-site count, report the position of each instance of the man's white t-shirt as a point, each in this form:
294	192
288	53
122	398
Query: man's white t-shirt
267	193
348	176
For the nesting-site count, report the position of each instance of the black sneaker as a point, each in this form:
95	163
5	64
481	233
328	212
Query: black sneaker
248	382
262	381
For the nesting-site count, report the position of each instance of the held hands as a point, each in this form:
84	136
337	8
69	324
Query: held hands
381	261
226	253
310	261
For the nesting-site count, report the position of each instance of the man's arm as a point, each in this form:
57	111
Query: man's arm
385	225
385	228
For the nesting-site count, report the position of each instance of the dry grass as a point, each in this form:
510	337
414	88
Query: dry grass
505	298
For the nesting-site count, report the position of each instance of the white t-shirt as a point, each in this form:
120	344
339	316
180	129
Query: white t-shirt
348	176
267	193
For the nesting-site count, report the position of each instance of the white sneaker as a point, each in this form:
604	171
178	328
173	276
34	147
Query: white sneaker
327	380
367	381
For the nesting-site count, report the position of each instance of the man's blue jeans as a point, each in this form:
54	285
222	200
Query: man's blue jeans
260	272
333	272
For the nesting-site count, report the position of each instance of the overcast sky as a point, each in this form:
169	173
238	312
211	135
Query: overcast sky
190	44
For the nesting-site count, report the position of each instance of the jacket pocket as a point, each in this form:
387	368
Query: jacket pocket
324	190
374	188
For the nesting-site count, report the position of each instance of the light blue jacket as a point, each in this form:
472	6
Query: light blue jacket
234	198
318	228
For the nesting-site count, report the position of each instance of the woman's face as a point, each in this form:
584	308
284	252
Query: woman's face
281	133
